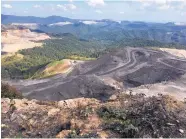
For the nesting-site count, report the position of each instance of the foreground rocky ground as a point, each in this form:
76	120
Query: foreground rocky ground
121	116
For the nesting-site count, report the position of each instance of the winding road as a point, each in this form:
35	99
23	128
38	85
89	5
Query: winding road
128	65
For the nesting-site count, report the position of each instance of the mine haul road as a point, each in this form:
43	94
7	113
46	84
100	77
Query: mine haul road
131	67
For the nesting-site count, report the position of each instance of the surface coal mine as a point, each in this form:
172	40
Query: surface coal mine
114	72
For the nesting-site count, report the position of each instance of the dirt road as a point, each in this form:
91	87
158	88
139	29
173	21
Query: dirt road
132	67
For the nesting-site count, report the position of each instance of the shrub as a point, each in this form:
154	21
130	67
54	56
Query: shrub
116	121
8	91
146	117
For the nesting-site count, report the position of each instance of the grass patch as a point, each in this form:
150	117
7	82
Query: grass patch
51	69
75	57
54	63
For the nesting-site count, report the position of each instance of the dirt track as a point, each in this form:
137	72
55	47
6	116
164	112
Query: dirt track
126	67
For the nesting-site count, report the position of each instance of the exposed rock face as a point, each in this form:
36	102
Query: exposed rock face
17	39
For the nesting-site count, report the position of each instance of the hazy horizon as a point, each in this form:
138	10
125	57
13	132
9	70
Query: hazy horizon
159	11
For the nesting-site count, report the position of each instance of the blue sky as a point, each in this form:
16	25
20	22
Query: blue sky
133	10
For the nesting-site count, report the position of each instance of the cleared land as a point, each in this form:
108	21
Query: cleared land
57	67
16	39
176	52
115	72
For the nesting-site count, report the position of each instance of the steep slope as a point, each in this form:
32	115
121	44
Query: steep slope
57	67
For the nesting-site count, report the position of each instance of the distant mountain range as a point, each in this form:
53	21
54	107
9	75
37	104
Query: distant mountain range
8	19
102	30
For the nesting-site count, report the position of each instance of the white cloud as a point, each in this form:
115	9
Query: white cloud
70	0
183	13
66	7
146	4
60	6
163	4
37	6
94	3
71	6
155	1
122	12
164	7
182	5
25	11
7	6
159	4
98	11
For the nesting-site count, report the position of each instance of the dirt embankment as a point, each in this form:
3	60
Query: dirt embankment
122	116
17	39
57	67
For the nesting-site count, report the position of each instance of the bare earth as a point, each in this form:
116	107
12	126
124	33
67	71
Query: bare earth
64	66
142	70
14	40
176	52
175	88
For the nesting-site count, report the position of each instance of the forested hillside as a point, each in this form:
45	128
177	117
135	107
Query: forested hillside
102	30
112	31
26	62
65	46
